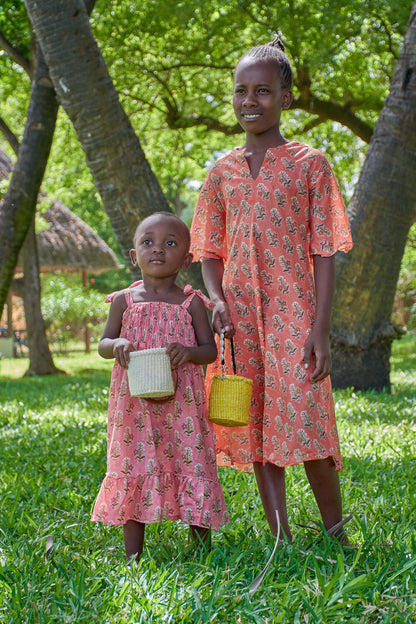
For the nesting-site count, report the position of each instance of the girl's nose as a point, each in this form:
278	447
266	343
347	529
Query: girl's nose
250	99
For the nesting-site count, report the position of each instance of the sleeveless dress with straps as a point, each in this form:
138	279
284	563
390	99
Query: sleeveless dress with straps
161	460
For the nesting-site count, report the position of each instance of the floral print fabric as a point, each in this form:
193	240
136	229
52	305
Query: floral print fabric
161	459
267	230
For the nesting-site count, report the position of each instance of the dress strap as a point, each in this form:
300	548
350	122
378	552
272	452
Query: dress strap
188	290
128	296
111	296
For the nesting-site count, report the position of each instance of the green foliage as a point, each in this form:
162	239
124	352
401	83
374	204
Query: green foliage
67	307
57	566
181	57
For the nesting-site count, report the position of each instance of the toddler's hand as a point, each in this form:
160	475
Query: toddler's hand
121	350
178	353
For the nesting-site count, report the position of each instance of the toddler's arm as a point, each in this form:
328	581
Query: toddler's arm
318	340
206	351
212	272
111	345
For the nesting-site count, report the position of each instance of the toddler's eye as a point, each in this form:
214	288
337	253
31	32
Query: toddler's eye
171	243
147	242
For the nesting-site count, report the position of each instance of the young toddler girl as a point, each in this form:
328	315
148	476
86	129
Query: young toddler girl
161	457
268	222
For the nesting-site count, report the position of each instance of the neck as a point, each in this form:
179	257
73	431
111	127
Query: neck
261	142
161	287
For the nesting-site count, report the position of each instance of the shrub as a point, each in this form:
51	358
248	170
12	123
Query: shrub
67	308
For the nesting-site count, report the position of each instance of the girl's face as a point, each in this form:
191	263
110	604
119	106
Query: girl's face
259	97
161	247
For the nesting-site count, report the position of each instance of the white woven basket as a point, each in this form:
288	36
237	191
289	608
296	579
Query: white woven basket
150	374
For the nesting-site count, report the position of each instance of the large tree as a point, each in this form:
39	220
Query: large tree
17	214
127	185
381	212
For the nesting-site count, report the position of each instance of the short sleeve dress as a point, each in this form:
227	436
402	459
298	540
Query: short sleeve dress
266	231
161	459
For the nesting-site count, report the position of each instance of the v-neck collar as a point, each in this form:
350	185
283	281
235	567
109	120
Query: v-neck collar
268	155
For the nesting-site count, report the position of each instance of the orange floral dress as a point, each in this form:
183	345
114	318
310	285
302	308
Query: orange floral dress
266	231
161	459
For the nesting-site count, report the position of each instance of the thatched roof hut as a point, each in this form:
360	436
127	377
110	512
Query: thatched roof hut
68	243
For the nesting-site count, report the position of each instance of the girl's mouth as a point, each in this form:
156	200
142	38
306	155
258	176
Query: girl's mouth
250	116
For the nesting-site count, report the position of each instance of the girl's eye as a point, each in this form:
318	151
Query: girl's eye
263	90
171	243
147	242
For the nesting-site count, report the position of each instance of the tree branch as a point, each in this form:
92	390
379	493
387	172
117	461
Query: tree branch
9	135
16	55
327	110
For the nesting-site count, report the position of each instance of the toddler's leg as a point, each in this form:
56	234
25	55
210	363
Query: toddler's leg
272	488
133	538
200	535
324	481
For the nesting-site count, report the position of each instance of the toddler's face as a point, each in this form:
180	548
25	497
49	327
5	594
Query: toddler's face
161	247
259	97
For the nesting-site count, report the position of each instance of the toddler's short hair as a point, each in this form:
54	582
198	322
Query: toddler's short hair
168	215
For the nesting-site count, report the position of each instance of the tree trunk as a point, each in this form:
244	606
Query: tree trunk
19	204
40	362
381	212
123	177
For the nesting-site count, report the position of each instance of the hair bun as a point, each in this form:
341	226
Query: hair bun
277	42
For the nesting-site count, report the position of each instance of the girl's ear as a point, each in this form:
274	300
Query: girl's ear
188	260
133	257
287	99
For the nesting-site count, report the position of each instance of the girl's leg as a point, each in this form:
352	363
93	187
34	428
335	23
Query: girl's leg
272	488
324	481
200	535
133	538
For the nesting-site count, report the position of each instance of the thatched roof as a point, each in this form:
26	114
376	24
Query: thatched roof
68	244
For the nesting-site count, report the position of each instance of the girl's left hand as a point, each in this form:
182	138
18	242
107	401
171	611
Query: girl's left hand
317	344
178	353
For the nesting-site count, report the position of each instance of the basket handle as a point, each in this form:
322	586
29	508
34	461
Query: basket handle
222	353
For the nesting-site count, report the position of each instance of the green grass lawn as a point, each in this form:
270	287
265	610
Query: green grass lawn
57	566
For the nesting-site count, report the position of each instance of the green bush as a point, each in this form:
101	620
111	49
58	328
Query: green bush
68	308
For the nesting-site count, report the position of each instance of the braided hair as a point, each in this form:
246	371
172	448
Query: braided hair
273	52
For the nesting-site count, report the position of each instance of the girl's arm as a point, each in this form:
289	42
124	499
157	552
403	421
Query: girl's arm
206	351
212	272
317	342
111	345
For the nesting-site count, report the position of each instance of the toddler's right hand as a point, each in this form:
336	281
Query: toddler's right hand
121	350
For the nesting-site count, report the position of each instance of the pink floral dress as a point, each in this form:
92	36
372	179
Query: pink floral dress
161	459
266	230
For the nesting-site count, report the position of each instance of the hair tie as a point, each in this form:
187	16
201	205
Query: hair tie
277	41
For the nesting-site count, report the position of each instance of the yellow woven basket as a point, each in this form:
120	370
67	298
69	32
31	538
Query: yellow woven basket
229	400
150	374
229	395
